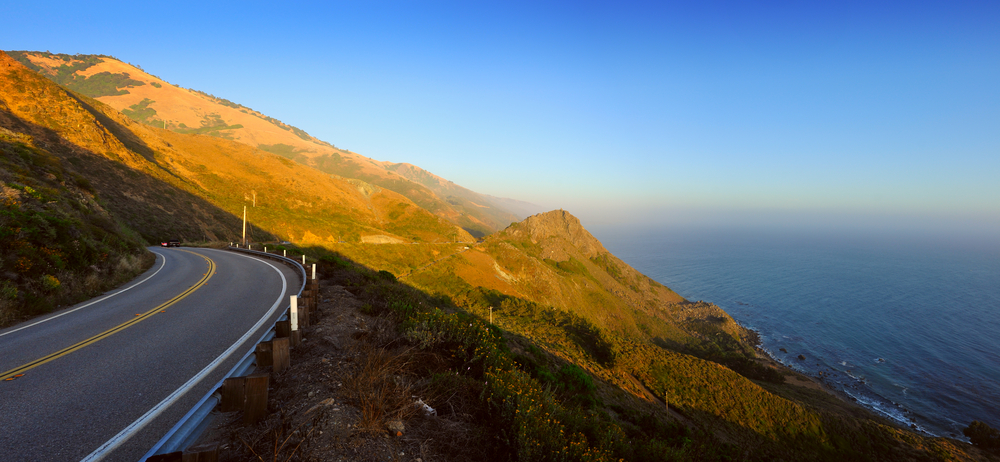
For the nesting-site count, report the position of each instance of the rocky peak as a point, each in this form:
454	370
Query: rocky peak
558	224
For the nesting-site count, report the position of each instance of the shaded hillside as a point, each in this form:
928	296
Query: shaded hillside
170	184
152	101
58	242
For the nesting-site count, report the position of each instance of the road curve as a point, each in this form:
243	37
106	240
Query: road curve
74	386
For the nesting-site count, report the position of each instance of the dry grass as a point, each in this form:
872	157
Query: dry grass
382	387
280	441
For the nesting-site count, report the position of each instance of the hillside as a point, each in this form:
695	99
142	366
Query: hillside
153	101
164	183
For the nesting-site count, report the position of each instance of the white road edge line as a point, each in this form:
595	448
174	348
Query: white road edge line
163	262
148	417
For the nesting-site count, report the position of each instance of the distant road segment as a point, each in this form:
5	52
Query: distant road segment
105	379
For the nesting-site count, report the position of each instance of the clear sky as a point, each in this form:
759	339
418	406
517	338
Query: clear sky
800	113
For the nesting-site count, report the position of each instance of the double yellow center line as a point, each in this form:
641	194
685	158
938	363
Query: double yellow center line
19	371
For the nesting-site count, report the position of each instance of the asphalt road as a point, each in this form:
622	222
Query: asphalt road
78	401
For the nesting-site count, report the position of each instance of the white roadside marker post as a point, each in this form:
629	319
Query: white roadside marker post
314	271
293	313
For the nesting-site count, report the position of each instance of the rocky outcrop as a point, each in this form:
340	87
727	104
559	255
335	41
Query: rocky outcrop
557	224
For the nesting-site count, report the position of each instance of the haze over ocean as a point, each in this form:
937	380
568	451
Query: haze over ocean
906	325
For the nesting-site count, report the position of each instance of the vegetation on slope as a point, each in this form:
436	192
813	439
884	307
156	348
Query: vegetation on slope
523	401
67	74
59	244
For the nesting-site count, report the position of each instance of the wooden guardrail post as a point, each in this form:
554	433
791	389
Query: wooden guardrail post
283	329
233	394
169	457
255	408
247	394
206	452
263	353
279	354
274	354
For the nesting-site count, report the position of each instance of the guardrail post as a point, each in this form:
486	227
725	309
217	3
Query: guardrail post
233	392
247	394
283	329
279	354
169	457
255	408
207	452
273	353
264	356
304	313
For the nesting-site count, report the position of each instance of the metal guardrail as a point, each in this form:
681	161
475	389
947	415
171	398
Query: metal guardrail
190	427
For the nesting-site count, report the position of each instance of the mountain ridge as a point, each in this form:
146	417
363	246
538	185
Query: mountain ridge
151	100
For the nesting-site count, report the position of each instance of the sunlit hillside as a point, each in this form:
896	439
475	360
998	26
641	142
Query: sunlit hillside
192	186
155	102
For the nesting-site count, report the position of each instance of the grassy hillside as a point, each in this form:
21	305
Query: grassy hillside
550	283
152	101
164	183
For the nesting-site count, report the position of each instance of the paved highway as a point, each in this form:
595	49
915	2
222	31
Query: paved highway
79	384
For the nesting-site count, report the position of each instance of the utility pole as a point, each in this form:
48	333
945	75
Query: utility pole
244	225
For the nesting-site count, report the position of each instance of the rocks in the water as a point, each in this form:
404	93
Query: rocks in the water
782	350
802	357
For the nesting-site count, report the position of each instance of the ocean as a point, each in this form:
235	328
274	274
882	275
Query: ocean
910	327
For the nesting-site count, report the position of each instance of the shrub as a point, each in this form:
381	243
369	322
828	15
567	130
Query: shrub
8	290
50	283
983	435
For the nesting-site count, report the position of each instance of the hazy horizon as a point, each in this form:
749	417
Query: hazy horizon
822	115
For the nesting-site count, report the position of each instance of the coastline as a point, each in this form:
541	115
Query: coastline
795	378
845	403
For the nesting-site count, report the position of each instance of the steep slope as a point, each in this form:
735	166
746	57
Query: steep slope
150	100
167	183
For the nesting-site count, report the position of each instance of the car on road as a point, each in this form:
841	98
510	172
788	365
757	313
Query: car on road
171	243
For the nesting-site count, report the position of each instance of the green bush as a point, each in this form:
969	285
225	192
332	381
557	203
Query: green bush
983	435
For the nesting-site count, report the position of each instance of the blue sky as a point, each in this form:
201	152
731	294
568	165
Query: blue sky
882	114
